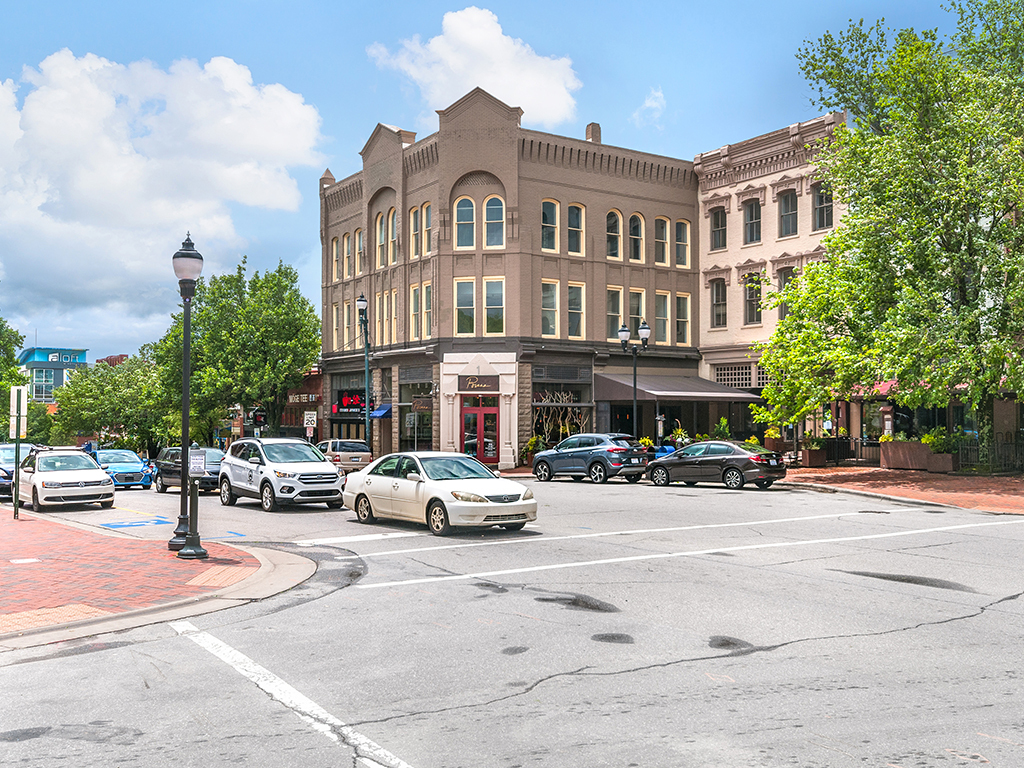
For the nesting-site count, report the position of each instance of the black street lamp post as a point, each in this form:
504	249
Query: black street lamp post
644	331
188	266
361	305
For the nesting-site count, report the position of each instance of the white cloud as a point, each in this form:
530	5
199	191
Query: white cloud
651	110
472	51
105	166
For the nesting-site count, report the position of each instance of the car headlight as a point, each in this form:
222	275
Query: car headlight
106	481
4	473
284	474
528	494
474	497
51	484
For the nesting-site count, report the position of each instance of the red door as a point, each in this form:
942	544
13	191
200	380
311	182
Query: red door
480	428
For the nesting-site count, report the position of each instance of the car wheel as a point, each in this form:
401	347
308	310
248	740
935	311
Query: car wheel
733	479
364	512
543	471
437	519
633	478
160	487
659	476
597	472
514	526
36	507
106	504
690	483
227	496
764	485
267	498
335	504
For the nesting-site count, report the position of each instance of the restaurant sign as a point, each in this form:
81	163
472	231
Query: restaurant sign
479	384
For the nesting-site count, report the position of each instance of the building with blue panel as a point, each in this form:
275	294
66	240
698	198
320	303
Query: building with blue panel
48	368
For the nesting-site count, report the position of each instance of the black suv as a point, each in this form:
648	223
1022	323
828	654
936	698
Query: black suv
593	455
168	468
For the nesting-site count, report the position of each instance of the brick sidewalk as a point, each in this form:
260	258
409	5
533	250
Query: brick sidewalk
52	573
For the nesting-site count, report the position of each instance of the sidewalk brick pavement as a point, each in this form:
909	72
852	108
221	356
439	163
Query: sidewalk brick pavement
52	573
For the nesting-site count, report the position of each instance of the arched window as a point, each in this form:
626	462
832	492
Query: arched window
415	235
382	241
613	236
426	229
347	249
334	258
575	229
549	225
682	243
392	236
494	223
661	241
636	238
465	224
360	253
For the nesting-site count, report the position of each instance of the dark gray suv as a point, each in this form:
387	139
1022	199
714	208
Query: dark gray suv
594	455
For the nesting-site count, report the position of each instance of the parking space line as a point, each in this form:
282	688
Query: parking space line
350	539
670	555
371	753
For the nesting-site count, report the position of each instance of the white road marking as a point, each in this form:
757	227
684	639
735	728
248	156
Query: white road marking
24	560
350	539
668	555
634	532
369	752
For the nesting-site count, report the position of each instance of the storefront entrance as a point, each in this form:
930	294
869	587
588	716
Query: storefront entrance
480	427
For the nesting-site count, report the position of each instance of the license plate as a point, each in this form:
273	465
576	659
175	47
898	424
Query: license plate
773	462
635	461
356	459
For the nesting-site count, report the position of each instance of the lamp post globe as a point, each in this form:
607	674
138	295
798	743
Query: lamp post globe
188	266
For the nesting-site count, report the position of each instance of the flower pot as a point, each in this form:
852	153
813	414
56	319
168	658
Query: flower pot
812	457
776	444
904	455
943	463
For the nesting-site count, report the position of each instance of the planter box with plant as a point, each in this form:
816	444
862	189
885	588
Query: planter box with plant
530	447
944	457
903	454
813	452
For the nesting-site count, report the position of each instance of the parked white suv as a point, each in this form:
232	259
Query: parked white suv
279	470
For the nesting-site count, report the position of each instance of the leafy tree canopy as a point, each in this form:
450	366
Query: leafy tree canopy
923	284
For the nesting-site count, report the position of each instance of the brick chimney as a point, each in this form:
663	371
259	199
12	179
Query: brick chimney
594	133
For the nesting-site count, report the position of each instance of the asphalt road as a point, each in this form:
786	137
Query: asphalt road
630	626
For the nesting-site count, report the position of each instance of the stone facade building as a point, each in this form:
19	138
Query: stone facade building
498	265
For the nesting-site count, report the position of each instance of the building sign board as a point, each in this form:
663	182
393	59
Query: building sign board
488	384
422	404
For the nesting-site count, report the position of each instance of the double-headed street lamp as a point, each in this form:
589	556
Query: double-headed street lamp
188	266
644	331
361	305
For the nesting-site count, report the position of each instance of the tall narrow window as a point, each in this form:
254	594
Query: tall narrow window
494	223
464	224
359	252
719	315
336	316
394	316
548	309
575	231
718	223
787	214
661	241
465	311
613	236
574	316
786	275
426	229
347	338
549	225
414	230
494	306
382	241
613	313
636	238
752	299
682	243
428	309
378	311
335	273
752	222
683	319
661	318
393	236
386	311
822	207
347	249
636	313
415	313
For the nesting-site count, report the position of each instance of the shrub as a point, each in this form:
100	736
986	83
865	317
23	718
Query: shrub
939	440
752	440
533	445
646	442
885	438
814	443
721	430
772	433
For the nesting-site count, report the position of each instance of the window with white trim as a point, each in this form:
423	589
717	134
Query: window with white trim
393	236
613	235
682	243
494	306
787	214
719	308
718	228
426	229
394	316
334	335
415	313
636	238
347	325
417	235
575	308
428	309
683	319
549	308
574	232
822	206
661	241
751	222
465	307
359	252
334	259
347	249
636	312
785	275
382	240
465	223
661	317
613	313
752	299
549	225
494	222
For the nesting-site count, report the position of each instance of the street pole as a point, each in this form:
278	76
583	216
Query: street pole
644	331
362	305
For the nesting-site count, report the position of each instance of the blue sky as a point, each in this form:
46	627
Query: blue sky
122	125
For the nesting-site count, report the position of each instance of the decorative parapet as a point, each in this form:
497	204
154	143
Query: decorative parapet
717	273
716	201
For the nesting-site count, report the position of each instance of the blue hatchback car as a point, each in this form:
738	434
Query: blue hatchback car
125	467
7	464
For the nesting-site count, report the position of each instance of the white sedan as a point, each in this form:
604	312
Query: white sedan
63	476
444	490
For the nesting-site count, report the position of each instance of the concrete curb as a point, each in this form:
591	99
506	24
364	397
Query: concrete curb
278	572
822	488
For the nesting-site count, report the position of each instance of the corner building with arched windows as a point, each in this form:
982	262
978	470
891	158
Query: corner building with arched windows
498	265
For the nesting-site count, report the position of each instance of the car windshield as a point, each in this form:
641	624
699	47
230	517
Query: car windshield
292	452
213	455
354	447
60	463
7	453
454	468
627	442
117	457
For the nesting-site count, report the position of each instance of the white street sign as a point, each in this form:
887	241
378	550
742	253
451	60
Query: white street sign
309	418
196	462
19	395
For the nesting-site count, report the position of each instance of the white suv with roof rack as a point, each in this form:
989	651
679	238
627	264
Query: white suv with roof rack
279	470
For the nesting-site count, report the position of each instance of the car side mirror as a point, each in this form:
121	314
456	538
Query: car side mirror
414	477
104	466
255	460
497	473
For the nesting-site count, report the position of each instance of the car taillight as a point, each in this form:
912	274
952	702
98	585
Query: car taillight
616	450
336	459
759	459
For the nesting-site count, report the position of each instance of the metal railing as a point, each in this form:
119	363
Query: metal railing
856	450
992	457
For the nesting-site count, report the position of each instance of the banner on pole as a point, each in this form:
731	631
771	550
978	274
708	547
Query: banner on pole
19	407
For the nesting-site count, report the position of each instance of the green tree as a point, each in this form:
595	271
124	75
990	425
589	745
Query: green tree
922	286
39	424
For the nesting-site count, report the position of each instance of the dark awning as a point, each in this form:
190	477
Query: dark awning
384	412
619	386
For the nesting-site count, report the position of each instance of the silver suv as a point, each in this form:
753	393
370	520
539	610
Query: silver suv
279	470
